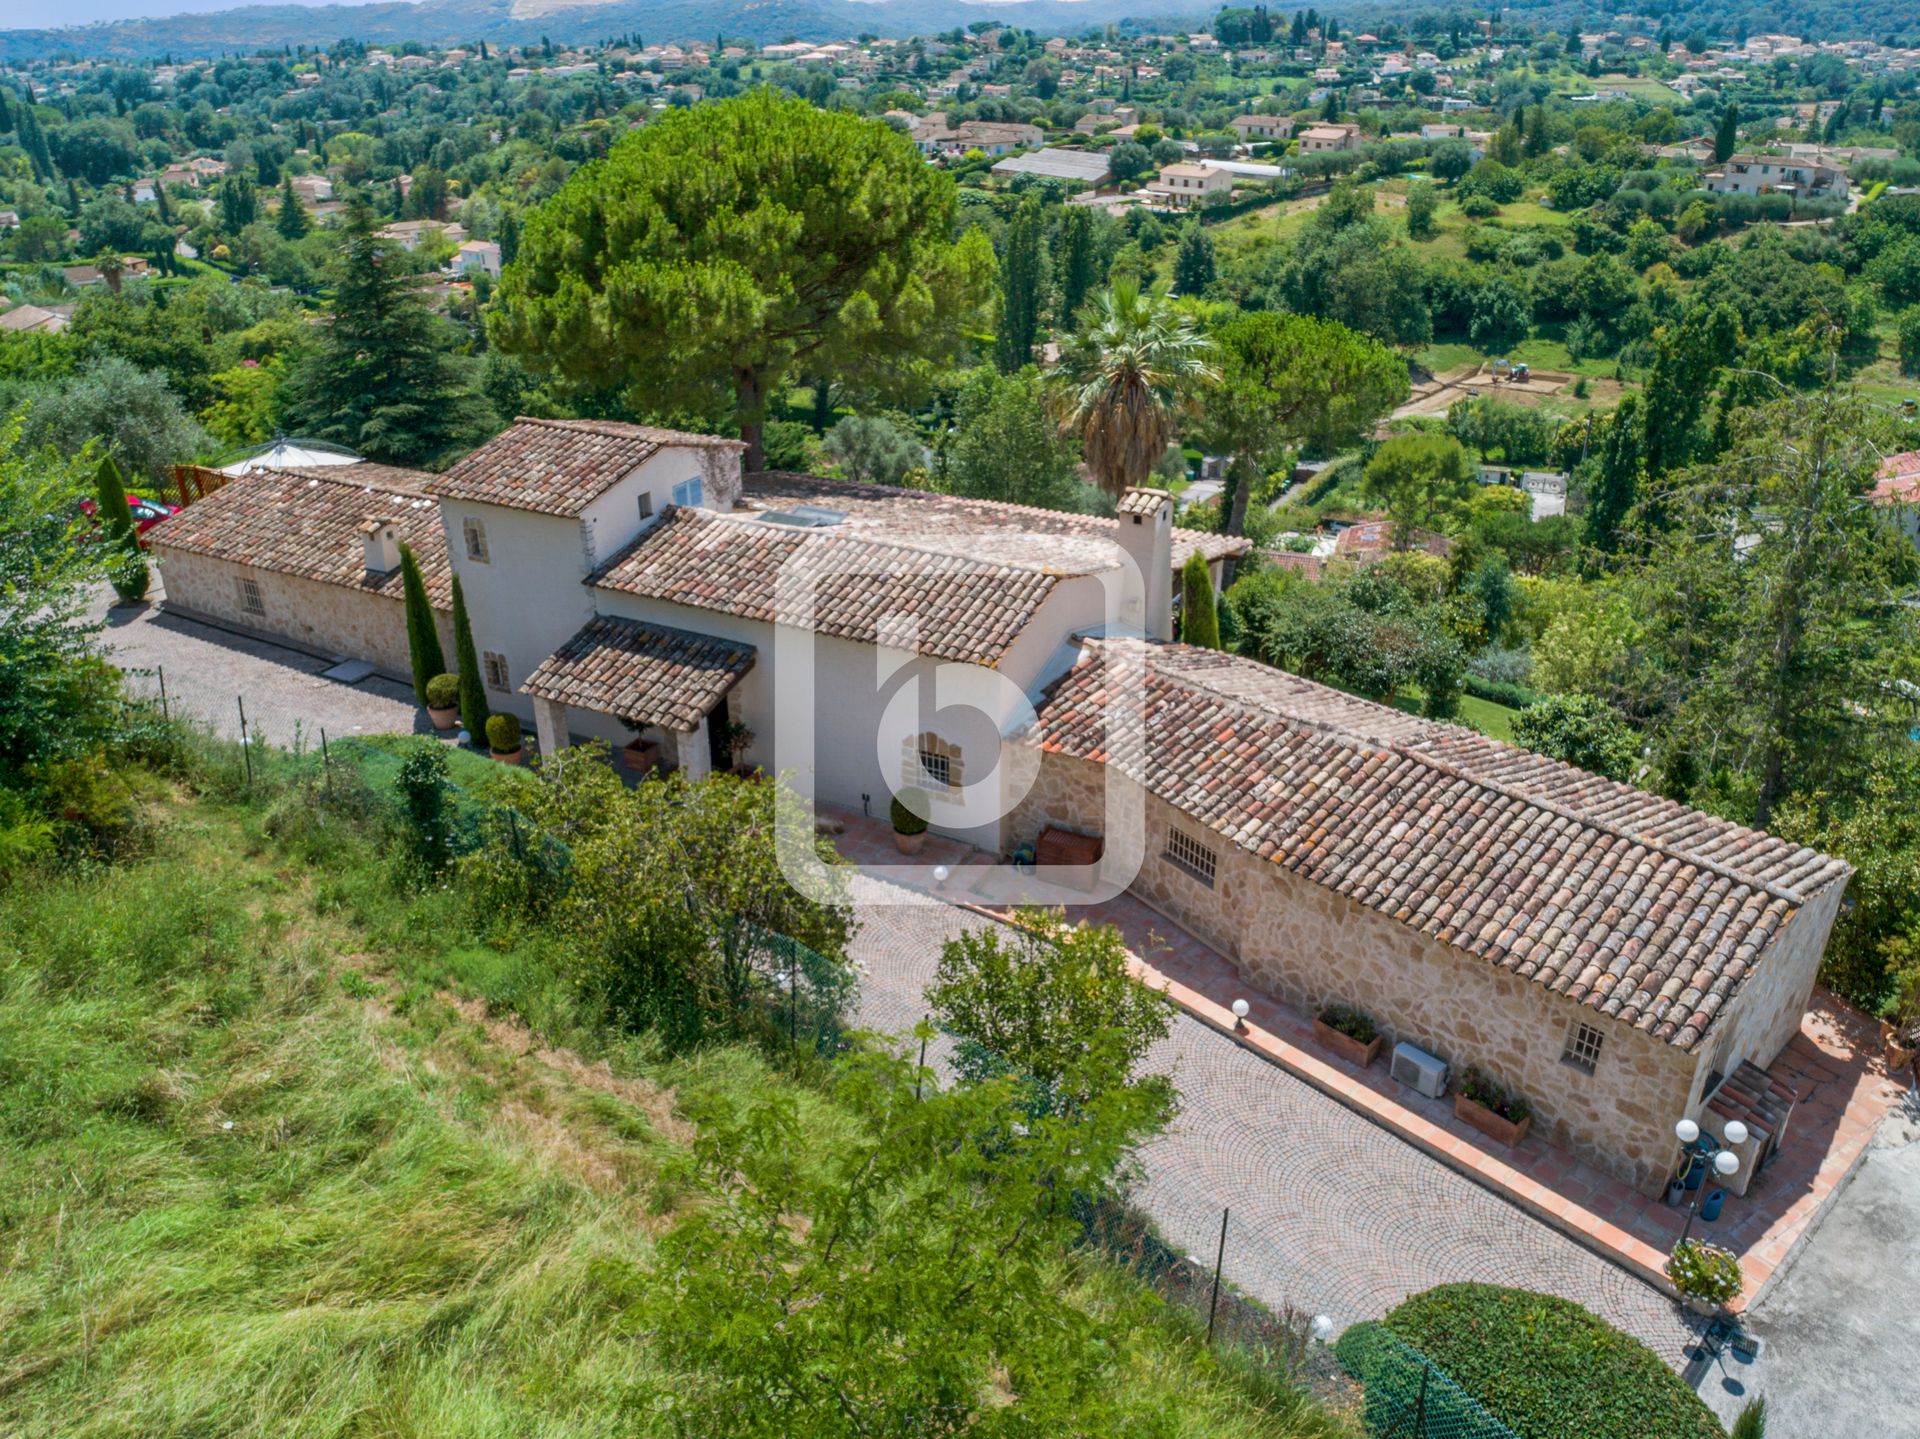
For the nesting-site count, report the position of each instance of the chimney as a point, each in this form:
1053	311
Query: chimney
383	546
1146	534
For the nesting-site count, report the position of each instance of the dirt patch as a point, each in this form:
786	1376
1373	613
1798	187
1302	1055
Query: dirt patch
508	1033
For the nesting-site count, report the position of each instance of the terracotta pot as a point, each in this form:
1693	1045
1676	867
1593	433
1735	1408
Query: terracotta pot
1345	1046
1496	1127
1696	1305
444	719
511	756
1899	1052
909	843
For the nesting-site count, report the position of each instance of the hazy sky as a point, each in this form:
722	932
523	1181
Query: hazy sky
35	14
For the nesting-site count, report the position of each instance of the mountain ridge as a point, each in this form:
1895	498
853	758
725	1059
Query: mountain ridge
202	34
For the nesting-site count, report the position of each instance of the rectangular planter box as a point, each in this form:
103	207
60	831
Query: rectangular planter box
640	755
1501	1130
1345	1046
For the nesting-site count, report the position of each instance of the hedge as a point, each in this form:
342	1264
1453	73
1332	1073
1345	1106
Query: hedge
1548	1368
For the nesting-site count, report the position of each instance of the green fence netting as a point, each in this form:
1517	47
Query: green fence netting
1407	1395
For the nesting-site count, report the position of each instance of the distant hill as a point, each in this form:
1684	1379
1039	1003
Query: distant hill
451	22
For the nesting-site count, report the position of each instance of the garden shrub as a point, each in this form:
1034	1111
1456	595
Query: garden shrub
443	692
503	733
909	811
1548	1368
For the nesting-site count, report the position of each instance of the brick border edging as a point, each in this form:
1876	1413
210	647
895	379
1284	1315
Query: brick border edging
1807	1231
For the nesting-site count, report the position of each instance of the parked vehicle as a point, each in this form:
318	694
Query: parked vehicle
146	514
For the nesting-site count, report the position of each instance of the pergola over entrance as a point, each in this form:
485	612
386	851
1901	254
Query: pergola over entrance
643	675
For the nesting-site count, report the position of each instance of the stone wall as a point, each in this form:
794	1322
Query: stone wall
1765	1012
308	614
1309	945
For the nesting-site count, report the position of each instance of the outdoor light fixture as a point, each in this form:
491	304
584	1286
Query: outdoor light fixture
1322	1328
1724	1161
940	873
1240	1008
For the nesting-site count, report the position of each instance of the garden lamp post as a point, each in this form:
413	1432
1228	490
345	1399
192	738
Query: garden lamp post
1725	1163
1240	1009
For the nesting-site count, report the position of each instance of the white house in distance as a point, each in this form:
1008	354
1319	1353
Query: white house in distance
1320	139
1185	183
1613	955
1776	174
1262	127
475	256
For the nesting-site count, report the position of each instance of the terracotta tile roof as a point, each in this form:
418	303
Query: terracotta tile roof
1898	480
559	467
641	674
1142	502
887	512
940	604
307	523
1631	905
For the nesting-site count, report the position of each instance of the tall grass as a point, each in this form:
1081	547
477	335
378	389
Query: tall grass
264	1172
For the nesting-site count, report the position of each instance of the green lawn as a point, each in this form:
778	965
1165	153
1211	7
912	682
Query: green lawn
1493	720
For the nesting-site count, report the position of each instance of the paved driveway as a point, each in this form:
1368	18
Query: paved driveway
1330	1213
209	669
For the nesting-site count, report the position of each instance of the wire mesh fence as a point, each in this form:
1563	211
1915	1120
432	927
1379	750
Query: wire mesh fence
1406	1395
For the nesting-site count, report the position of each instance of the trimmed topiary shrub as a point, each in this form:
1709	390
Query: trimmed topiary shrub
909	811
1549	1369
443	692
503	733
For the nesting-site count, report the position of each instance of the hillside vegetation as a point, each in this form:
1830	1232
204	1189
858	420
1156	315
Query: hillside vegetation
280	1154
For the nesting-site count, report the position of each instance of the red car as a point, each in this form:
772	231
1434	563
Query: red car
146	513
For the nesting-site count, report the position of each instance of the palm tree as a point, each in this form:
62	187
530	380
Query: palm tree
1124	379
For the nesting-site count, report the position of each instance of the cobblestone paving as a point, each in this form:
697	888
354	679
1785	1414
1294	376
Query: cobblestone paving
1329	1213
206	668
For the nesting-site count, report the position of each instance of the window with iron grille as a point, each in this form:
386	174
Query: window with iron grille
251	600
495	666
936	770
1583	1048
476	534
1189	854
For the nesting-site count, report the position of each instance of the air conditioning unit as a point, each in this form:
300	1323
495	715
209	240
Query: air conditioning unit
1421	1070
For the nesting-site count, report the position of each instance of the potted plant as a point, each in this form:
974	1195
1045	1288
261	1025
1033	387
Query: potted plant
1350	1033
443	701
1491	1108
1900	1029
909	812
640	754
503	738
1703	1275
738	740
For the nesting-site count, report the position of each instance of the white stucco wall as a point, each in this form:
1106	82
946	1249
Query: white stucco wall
528	597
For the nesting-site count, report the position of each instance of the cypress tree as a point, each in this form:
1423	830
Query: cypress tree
291	222
1023	278
1199	612
129	575
6	109
1079	263
423	634
473	690
34	141
1193	267
1727	138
